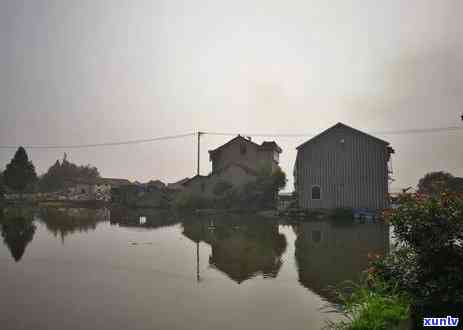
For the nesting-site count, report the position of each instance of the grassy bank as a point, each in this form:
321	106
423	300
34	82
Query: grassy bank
372	305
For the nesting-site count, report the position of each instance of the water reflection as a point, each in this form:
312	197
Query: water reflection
328	254
17	230
62	222
146	218
241	247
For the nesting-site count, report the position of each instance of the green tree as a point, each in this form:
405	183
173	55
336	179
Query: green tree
456	185
428	262
222	187
62	172
279	179
20	172
2	188
434	183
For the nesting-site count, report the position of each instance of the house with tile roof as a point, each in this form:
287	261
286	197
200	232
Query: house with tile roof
237	162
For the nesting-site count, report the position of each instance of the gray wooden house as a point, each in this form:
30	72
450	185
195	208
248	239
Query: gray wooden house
342	167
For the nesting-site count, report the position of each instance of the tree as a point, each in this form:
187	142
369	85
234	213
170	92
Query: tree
20	172
428	261
434	183
17	233
279	179
262	193
60	173
2	188
222	187
456	185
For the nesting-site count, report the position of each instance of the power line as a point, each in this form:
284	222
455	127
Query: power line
393	132
275	135
105	144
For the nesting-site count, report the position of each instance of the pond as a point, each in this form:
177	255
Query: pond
69	268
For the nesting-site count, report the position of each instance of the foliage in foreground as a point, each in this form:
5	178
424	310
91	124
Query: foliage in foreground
423	274
428	263
372	305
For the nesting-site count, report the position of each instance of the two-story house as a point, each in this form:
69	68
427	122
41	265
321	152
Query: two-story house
237	162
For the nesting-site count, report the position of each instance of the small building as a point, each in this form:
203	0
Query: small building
343	167
77	189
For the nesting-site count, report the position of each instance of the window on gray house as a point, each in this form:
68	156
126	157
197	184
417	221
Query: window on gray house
316	192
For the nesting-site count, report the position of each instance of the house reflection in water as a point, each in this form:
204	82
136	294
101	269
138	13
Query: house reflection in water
241	248
17	230
328	254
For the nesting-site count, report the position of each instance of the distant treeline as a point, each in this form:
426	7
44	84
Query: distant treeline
20	175
60	174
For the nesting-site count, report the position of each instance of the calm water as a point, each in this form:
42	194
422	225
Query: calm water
119	269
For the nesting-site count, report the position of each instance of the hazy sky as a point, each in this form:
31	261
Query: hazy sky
77	72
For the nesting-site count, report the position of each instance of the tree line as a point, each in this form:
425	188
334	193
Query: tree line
20	175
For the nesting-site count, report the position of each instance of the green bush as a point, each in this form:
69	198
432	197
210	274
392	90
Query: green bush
342	213
425	266
190	201
222	187
428	262
432	229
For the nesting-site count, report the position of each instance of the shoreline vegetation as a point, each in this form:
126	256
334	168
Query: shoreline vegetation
421	277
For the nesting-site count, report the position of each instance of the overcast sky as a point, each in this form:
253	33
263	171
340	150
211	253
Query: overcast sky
78	72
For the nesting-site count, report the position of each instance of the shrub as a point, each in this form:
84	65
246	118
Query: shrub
432	228
222	187
342	213
428	264
189	201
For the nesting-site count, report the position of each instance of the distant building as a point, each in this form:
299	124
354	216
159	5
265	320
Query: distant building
236	162
104	185
342	167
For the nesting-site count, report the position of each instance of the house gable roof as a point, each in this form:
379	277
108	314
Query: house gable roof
341	125
266	145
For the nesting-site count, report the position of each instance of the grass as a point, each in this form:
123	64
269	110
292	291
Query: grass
374	307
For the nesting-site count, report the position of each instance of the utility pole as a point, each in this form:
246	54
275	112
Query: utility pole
199	151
